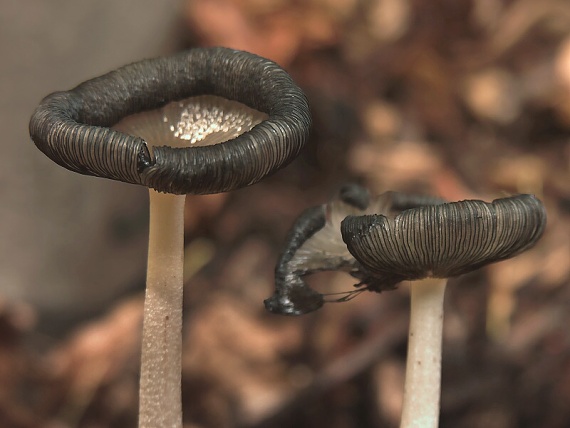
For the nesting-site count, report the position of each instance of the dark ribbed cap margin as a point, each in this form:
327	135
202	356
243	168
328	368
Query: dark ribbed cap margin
444	240
73	127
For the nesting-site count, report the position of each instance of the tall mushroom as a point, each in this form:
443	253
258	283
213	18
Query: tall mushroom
408	238
207	120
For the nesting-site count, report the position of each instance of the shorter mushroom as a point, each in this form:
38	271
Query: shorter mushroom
408	238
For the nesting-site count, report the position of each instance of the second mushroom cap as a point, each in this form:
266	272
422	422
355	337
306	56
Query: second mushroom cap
444	240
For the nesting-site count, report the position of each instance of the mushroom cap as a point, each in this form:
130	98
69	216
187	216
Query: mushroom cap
443	240
73	128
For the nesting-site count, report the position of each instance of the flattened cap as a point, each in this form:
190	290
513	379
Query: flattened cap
443	240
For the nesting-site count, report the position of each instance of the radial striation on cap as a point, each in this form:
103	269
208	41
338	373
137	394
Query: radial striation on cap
443	240
73	128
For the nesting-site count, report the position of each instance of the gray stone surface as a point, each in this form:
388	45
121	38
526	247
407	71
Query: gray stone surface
68	243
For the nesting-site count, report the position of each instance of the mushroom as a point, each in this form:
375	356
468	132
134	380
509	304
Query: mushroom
207	120
411	238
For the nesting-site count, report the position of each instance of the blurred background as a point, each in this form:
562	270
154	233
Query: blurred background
455	98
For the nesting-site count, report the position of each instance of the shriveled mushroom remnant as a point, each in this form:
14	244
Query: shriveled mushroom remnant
407	238
204	121
315	244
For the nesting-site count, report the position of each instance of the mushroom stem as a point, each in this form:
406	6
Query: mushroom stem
160	403
423	368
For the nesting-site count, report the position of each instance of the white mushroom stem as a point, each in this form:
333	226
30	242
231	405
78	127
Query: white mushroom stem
160	382
422	388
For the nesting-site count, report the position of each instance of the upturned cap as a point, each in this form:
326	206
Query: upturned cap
73	128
